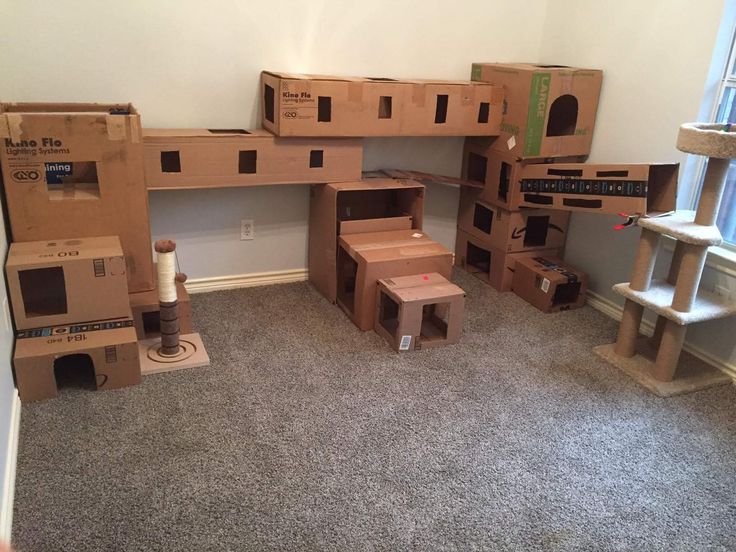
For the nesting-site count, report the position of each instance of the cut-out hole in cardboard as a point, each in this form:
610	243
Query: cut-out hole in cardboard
72	180
316	159
227	131
268	102
384	107
247	161
478	258
536	231
483	218
477	167
75	371
440	112
388	313
504	177
563	116
151	323
483	112
435	318
43	291
380	79
170	162
324	109
566	293
538	199
347	273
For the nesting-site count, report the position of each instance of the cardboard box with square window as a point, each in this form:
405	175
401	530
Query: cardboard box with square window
76	171
419	311
550	284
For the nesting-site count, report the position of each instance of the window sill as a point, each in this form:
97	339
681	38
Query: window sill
720	259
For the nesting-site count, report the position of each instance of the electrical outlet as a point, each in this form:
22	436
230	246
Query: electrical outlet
247	230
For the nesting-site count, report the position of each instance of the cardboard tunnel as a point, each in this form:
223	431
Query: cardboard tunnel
549	283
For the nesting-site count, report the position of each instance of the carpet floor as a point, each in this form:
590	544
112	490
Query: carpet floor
308	434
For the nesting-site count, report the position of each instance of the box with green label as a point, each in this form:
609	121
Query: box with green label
549	110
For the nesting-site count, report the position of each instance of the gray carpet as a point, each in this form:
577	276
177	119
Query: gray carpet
307	434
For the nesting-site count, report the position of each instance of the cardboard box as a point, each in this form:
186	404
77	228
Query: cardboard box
491	265
203	158
371	205
642	189
317	105
145	309
363	259
420	311
511	230
102	355
549	110
76	171
66	281
499	173
549	283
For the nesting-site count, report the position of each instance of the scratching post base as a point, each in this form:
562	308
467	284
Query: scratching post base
192	354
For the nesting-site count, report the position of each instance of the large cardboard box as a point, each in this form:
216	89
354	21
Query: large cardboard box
204	158
146	312
66	281
511	230
318	105
499	173
419	311
76	170
102	354
365	258
370	205
489	264
633	189
549	283
549	110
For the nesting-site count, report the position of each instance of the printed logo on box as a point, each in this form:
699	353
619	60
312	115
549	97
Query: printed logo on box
55	172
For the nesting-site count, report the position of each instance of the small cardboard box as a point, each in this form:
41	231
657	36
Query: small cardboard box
633	189
420	311
491	265
549	283
549	110
145	308
370	205
104	353
204	158
318	105
511	231
66	281
76	171
363	259
499	174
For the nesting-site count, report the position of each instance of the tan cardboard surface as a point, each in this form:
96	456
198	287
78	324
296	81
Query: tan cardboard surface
204	158
145	308
550	284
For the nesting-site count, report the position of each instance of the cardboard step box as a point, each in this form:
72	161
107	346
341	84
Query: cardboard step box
203	158
76	171
101	354
318	105
146	312
369	205
633	189
549	110
419	311
365	258
66	281
511	231
489	264
549	284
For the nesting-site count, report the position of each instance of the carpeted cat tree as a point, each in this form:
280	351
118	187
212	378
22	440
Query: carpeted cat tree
657	362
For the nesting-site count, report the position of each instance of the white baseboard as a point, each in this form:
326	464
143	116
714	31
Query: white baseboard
615	311
8	482
218	283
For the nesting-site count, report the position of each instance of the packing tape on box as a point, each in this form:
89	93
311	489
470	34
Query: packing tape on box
355	91
135	129
115	127
11	126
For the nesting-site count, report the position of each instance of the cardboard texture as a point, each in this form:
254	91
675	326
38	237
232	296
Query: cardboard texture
145	309
66	281
499	174
549	283
370	205
103	353
426	178
511	231
549	110
76	171
493	266
318	105
204	158
420	311
634	189
363	259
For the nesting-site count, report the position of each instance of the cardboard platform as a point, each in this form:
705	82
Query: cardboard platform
194	355
692	373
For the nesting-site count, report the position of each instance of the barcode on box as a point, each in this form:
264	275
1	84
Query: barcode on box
405	342
545	285
99	265
111	354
